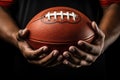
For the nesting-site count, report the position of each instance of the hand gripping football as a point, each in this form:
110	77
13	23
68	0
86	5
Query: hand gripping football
59	28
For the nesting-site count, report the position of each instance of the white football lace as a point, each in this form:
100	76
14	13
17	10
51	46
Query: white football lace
61	14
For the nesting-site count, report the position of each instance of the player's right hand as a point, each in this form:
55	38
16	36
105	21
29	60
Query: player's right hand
39	56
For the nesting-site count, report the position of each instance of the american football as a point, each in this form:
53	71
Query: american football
59	28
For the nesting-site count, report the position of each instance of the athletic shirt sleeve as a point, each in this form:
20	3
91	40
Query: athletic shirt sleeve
105	3
6	3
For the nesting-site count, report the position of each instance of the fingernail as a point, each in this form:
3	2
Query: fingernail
65	54
80	43
72	49
94	24
45	48
55	53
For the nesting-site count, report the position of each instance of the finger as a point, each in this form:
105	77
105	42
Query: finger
76	52
71	57
56	61
41	50
79	53
90	58
89	48
51	58
99	34
59	58
66	62
46	60
96	29
22	34
83	55
41	56
38	53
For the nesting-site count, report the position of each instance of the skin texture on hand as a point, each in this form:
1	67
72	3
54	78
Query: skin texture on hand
86	53
39	56
110	26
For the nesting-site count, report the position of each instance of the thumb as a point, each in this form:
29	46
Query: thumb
96	29
100	36
23	34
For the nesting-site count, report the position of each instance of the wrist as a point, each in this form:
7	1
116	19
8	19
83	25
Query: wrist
14	40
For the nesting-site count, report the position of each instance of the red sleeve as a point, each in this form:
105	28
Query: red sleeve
6	3
108	2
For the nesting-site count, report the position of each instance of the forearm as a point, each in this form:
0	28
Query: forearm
8	28
110	24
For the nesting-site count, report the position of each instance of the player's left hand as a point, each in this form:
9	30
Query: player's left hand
86	53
